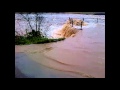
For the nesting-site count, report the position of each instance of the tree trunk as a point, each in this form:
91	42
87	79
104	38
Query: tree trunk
36	23
39	23
30	25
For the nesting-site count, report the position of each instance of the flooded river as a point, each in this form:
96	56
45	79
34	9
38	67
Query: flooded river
82	56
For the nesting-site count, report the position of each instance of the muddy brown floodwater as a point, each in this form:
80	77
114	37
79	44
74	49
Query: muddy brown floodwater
81	56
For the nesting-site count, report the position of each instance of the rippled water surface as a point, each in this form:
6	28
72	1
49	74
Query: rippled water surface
82	56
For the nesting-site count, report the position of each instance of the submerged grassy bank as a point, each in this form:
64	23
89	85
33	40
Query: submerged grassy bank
21	40
34	37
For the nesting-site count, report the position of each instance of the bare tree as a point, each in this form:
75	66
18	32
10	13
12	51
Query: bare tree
36	17
46	29
39	21
28	20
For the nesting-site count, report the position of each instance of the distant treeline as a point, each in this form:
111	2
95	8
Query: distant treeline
93	13
100	13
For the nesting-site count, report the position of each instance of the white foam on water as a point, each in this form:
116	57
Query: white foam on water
54	21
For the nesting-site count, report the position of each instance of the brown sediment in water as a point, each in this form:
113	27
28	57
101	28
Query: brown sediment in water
54	64
49	62
81	56
66	31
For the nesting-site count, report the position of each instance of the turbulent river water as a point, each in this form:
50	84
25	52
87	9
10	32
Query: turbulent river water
82	56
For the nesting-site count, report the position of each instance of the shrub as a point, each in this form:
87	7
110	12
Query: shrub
21	40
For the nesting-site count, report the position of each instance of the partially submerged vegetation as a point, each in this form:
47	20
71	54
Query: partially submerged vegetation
34	38
21	40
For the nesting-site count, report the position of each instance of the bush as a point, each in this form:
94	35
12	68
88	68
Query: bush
34	34
21	40
46	40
